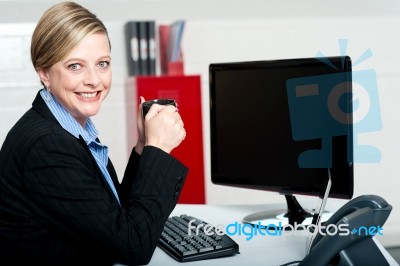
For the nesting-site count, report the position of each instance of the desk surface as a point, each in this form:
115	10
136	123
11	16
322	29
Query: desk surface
260	250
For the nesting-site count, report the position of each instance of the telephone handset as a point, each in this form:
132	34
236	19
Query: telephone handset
360	219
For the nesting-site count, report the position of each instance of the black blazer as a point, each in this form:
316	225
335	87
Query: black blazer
56	207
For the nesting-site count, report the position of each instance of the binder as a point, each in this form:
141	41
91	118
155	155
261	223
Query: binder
174	40
132	47
163	32
151	47
143	49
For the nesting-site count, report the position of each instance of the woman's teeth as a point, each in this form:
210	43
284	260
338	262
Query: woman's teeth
88	95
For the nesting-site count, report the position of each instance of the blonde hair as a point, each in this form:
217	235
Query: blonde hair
59	30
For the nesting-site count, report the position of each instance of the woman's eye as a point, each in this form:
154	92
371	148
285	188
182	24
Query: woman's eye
74	66
104	64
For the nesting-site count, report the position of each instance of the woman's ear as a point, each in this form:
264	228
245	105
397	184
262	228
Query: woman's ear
44	77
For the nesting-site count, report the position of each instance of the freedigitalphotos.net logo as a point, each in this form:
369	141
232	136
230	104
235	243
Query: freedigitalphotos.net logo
250	231
326	99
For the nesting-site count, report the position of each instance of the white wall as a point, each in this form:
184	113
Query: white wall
223	31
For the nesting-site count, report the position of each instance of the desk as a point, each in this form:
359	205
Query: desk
260	250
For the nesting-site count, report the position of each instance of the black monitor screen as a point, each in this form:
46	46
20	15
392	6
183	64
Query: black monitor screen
282	125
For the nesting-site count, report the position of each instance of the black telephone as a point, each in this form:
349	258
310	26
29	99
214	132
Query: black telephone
365	213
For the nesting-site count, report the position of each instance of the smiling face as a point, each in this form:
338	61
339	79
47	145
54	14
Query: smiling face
82	80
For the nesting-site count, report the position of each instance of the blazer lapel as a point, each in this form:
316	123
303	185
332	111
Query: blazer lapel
41	107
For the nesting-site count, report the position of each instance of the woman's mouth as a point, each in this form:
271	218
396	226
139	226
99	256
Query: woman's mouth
88	95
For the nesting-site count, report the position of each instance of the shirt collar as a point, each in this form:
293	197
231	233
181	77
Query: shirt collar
67	121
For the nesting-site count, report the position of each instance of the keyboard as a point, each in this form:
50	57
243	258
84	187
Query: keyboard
202	242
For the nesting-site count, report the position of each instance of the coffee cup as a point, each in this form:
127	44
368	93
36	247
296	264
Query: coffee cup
147	104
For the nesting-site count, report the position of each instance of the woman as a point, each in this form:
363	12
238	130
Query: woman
60	200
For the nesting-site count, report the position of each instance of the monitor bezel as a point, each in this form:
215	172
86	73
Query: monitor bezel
345	61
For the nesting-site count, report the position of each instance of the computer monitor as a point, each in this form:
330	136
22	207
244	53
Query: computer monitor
283	126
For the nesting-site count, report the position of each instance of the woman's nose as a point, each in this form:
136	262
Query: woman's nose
91	77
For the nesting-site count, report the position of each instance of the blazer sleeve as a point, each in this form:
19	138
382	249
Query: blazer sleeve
66	193
129	177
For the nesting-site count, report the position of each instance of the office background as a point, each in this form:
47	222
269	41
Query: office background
226	31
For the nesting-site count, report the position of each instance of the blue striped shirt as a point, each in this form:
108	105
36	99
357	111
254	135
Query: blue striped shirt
89	134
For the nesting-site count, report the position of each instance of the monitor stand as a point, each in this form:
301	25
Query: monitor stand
293	215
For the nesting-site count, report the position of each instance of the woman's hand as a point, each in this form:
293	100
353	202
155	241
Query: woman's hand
163	127
140	125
